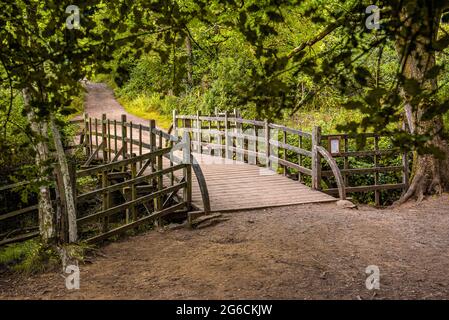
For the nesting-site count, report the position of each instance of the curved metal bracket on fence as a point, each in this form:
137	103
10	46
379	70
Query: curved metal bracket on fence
335	170
198	174
202	183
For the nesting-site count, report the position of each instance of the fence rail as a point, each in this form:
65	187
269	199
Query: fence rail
127	161
306	156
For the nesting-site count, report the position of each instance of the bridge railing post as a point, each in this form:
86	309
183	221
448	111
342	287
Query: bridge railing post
104	138
87	135
267	144
186	157
199	139
316	158
175	123
227	138
152	126
124	136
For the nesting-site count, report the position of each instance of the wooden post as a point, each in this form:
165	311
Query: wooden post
172	174
140	145
316	158
115	137
175	124
227	139
187	171
199	135
300	144
109	140
219	138
133	190
267	144
210	139
376	174
256	144
124	143
240	142
91	142
124	137
188	126
61	210
346	164
252	146
284	140
131	144
160	186
87	135
152	126
104	138
406	174
96	137
105	202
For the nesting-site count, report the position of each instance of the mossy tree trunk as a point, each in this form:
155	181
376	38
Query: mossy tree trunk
430	172
40	131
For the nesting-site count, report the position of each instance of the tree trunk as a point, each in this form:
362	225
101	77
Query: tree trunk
69	194
46	211
430	173
190	61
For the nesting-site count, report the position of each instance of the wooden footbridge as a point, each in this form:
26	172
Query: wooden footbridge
210	164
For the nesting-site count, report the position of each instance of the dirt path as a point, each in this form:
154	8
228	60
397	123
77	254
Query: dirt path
298	252
100	99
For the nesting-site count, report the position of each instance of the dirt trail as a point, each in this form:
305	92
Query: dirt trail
298	252
100	99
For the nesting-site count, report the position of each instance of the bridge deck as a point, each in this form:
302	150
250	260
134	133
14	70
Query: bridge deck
238	186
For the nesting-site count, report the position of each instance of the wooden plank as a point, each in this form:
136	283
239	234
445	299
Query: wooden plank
369	188
137	180
20	238
290	130
93	155
328	173
366	153
124	206
292	165
18	212
15	185
125	162
316	159
136	223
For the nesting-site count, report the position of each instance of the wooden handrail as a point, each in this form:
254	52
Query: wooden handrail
121	163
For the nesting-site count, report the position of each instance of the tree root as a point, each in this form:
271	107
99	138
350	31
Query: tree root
415	190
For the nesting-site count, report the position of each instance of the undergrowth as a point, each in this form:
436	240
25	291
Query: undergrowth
33	256
28	257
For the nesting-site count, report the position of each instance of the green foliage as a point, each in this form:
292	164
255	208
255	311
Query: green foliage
152	107
28	257
262	57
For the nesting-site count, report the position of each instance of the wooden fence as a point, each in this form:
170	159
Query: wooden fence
126	170
324	162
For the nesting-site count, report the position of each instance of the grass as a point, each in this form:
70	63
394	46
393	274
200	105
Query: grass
149	107
105	78
144	107
78	105
28	257
327	118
